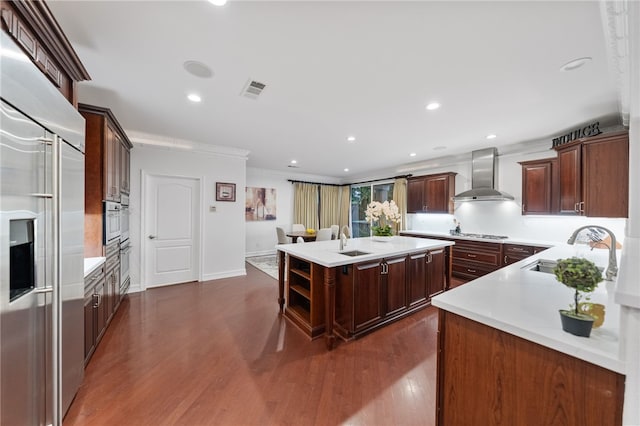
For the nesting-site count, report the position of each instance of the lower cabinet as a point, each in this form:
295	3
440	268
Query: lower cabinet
101	300
473	259
515	252
488	376
95	320
305	296
372	294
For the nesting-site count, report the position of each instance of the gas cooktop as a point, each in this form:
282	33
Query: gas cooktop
485	236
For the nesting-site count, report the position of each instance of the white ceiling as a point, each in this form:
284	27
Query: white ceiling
336	68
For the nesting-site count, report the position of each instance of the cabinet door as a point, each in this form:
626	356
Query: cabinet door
417	279
438	193
367	294
395	290
125	164
436	271
570	179
89	325
537	187
415	195
101	317
605	168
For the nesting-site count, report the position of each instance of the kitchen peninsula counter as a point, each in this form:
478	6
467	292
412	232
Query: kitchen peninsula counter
332	293
503	331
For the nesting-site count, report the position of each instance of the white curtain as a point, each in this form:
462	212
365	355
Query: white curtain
329	205
305	204
400	197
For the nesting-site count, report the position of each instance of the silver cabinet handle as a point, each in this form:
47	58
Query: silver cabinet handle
471	255
43	290
151	237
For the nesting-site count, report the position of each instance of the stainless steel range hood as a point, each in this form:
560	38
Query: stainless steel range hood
483	166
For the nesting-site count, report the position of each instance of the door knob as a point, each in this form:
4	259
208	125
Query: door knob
151	237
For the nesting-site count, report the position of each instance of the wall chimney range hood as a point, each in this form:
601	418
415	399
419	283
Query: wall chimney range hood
483	166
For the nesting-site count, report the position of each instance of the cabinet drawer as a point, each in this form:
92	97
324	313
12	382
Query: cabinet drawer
476	256
518	250
470	271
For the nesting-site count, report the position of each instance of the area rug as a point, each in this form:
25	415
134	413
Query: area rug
266	264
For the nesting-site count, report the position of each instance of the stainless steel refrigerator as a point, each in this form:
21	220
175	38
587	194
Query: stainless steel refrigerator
41	245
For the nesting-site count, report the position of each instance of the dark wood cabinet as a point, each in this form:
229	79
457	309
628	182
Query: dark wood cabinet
436	272
431	193
305	301
35	30
512	253
367	290
374	293
105	167
418	286
394	287
473	259
125	168
540	187
570	179
94	311
594	176
488	376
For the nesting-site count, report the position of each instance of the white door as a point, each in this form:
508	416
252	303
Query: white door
172	223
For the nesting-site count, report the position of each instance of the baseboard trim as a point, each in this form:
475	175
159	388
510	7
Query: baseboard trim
259	253
226	274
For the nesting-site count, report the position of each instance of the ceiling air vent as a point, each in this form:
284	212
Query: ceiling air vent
253	89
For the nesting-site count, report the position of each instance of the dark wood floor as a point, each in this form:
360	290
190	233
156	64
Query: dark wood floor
218	353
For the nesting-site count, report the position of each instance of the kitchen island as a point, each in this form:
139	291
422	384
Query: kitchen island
503	357
362	287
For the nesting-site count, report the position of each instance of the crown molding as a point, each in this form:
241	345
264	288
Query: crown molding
615	20
148	140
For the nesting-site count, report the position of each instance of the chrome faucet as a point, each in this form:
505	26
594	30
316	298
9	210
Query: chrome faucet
343	241
612	269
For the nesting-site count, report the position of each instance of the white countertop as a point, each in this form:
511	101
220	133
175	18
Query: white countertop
525	303
91	264
523	241
327	253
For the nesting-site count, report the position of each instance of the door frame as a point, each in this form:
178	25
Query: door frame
143	218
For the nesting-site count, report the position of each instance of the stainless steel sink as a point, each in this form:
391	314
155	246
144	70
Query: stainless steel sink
546	266
542	265
353	253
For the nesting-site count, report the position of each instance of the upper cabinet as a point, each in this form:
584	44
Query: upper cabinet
106	169
431	193
540	187
593	176
33	27
590	177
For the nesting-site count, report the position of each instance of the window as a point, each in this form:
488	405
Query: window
360	197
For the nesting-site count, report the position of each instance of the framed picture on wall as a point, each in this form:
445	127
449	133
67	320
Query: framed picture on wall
225	191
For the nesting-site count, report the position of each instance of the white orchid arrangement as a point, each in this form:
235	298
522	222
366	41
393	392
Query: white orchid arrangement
385	214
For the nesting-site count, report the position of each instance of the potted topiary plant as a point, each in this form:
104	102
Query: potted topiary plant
583	276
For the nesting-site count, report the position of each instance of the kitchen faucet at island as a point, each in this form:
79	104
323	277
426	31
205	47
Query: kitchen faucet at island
612	268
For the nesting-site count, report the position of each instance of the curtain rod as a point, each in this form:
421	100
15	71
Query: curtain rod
348	184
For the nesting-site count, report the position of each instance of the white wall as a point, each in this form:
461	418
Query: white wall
261	236
504	217
223	231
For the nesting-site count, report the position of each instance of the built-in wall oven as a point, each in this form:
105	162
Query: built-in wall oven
112	227
124	217
125	250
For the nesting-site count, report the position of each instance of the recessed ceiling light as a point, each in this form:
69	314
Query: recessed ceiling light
351	139
433	105
294	162
198	69
346	170
439	148
194	97
491	136
575	64
413	154
218	2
